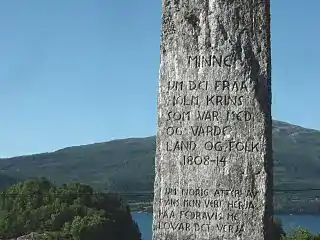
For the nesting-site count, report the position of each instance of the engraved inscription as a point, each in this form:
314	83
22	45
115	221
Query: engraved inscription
213	116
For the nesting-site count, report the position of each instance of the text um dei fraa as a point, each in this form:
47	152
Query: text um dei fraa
217	86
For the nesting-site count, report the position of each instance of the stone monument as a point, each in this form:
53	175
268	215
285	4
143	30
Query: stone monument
214	151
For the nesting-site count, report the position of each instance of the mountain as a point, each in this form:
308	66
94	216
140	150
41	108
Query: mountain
122	165
6	181
296	153
127	165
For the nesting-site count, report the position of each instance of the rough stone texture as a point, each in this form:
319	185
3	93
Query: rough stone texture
31	236
214	152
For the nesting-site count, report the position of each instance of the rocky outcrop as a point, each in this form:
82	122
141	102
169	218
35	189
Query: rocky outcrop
30	236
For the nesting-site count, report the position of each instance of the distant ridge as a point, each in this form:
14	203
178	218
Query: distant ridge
127	165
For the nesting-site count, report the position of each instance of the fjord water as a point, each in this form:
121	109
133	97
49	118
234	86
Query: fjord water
310	222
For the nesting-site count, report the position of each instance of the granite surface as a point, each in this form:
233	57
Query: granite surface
214	153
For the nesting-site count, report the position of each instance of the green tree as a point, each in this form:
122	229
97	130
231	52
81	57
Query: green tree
71	211
300	234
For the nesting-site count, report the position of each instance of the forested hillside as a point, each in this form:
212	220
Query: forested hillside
128	166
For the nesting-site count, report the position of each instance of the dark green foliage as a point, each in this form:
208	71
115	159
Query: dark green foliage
301	234
72	211
128	166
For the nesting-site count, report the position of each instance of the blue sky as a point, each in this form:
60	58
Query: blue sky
83	71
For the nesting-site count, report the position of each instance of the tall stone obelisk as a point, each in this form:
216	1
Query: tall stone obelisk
214	151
